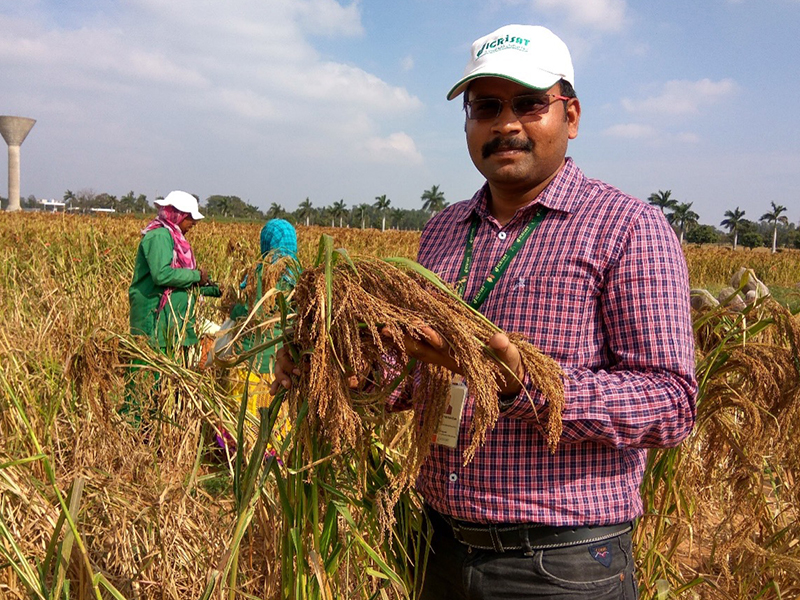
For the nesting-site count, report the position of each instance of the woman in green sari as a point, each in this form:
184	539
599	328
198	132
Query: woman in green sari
164	289
165	275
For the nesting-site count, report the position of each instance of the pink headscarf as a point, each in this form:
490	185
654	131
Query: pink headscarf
182	255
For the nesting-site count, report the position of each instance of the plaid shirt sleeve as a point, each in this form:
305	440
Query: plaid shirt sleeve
645	396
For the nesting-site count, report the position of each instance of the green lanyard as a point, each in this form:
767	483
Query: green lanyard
502	264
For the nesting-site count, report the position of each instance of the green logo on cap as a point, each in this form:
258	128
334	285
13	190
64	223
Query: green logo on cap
501	43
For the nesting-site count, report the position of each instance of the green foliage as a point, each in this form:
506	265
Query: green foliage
382	205
131	203
683	217
703	234
231	207
752	239
304	212
663	200
733	222
433	200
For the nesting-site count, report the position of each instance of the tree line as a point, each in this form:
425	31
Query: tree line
378	214
772	229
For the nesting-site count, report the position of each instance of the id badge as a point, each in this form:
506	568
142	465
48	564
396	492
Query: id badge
447	433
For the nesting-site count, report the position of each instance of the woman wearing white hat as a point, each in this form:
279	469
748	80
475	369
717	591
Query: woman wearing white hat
164	272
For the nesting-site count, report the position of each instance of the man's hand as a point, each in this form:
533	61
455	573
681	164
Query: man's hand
284	369
510	360
433	349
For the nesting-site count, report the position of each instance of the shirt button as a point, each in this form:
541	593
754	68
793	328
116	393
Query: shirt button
502	235
453	477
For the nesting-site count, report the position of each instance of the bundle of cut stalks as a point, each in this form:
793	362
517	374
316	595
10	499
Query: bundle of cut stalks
352	319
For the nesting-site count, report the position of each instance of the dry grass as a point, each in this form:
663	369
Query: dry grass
158	517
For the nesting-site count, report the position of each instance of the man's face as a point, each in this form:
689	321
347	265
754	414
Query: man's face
518	154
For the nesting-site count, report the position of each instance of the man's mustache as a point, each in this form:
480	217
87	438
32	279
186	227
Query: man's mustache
498	144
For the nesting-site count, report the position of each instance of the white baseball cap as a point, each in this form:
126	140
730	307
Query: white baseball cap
530	55
184	202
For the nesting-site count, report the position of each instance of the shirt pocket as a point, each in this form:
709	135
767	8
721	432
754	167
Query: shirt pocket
558	314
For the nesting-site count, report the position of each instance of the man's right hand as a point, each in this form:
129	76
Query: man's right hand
284	369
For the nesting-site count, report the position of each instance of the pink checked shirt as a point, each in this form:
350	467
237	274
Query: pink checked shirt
602	287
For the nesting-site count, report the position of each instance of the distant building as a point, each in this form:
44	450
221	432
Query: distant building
103	210
52	204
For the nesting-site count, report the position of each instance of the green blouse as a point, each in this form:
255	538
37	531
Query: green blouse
152	273
262	362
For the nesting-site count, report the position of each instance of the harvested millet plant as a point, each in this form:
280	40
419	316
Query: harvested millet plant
351	320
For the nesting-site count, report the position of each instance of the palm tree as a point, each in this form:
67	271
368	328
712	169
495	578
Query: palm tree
683	217
69	197
433	200
732	222
275	211
338	210
126	202
304	210
363	208
663	200
220	205
382	204
397	216
775	217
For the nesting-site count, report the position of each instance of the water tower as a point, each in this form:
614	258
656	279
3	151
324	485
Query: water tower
14	130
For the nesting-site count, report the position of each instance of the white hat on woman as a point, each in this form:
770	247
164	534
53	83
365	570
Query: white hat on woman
182	201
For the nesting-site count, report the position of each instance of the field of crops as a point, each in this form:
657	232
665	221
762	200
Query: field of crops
91	507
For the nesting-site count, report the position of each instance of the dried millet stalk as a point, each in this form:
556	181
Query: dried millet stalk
400	302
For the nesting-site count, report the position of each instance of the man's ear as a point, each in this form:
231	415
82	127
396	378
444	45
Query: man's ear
573	114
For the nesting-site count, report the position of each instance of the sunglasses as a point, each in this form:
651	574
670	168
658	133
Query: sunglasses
523	106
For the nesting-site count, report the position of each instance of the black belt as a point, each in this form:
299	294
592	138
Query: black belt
521	536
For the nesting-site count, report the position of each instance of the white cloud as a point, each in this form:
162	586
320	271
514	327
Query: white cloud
153	66
174	79
601	15
245	103
631	131
352	86
328	17
682	97
396	147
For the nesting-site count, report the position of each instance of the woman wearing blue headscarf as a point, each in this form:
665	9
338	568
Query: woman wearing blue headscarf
278	241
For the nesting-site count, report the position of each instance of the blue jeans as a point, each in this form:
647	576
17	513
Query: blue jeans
596	571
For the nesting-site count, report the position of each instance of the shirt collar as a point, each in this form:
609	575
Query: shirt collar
560	194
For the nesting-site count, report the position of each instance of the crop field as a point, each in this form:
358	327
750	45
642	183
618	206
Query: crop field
92	507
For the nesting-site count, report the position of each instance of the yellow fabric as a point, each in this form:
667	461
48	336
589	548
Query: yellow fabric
258	396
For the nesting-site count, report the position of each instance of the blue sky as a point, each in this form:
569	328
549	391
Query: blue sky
279	100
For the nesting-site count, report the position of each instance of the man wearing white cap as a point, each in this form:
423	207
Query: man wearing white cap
594	278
